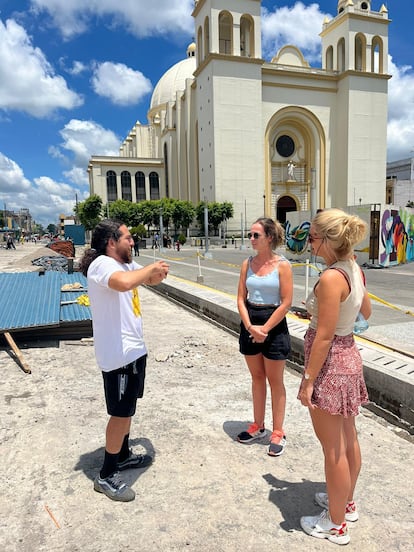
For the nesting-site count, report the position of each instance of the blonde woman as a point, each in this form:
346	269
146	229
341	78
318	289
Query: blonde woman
333	386
264	297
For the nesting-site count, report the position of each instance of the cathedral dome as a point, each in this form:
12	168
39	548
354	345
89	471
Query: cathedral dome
174	79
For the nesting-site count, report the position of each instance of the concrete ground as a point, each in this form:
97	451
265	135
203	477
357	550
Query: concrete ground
205	491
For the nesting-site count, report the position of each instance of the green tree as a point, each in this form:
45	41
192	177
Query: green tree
89	211
121	209
146	209
51	228
228	210
217	213
139	230
183	213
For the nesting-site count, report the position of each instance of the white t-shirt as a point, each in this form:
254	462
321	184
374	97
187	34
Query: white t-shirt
117	331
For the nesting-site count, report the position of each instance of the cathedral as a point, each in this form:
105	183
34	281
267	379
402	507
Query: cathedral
271	137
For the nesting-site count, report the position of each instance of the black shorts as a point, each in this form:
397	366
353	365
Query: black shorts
276	345
123	387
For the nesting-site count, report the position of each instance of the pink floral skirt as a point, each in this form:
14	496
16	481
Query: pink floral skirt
340	387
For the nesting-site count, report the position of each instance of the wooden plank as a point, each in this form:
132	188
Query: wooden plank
17	352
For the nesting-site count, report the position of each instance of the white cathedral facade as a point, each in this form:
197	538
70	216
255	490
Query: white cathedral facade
269	137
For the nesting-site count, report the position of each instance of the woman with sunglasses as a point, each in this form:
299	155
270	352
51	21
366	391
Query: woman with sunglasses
333	386
264	297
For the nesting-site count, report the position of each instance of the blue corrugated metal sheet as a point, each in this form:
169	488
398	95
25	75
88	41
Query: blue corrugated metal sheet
74	312
28	300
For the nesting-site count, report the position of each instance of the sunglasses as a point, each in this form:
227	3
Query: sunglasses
314	238
254	235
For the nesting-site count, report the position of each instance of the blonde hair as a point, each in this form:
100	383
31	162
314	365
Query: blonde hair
342	230
272	228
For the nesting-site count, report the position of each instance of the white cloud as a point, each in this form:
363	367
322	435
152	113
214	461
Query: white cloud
299	25
28	82
76	68
85	138
78	176
121	84
400	112
140	18
45	198
12	179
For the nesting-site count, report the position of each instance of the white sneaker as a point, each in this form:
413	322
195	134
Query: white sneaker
322	527
351	512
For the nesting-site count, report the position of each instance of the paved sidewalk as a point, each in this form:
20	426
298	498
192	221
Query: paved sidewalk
205	492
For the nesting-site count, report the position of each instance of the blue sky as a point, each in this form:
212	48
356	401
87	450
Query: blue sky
76	75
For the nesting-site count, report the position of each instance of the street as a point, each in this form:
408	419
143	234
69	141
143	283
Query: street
392	289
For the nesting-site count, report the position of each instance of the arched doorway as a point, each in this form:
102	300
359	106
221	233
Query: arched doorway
285	204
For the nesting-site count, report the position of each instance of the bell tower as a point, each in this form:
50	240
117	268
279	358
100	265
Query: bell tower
355	49
356	39
228	102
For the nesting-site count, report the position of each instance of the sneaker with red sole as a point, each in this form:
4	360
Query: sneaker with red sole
277	443
351	512
252	433
322	527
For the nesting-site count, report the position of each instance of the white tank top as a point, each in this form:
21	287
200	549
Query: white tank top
349	308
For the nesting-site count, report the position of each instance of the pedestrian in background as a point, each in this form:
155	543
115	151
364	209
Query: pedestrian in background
264	297
113	280
333	386
136	245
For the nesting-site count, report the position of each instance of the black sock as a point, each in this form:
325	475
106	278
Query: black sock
110	465
124	452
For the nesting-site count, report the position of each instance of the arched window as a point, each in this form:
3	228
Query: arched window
360	53
154	185
111	193
246	36
140	186
167	187
377	62
126	189
206	37
225	33
341	55
329	58
200	49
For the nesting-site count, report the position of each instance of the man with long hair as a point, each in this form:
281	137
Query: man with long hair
113	280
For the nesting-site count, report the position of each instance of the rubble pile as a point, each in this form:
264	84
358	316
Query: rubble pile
56	262
65	247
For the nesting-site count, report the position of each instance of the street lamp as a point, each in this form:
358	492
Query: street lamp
161	231
313	192
207	255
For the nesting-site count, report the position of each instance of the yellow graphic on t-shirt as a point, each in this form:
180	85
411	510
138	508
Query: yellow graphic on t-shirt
136	305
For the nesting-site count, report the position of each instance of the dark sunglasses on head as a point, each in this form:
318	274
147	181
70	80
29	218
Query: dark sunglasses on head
254	235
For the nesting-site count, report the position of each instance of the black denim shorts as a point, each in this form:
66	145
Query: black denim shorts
277	344
123	387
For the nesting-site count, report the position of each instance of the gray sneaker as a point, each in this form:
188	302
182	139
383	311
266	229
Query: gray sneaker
351	512
114	488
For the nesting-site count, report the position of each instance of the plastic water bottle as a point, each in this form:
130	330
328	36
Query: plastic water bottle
361	325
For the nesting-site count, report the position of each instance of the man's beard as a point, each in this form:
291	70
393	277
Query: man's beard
126	257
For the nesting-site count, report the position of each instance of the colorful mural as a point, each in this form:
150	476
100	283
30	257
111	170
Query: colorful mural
397	236
297	237
395	240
